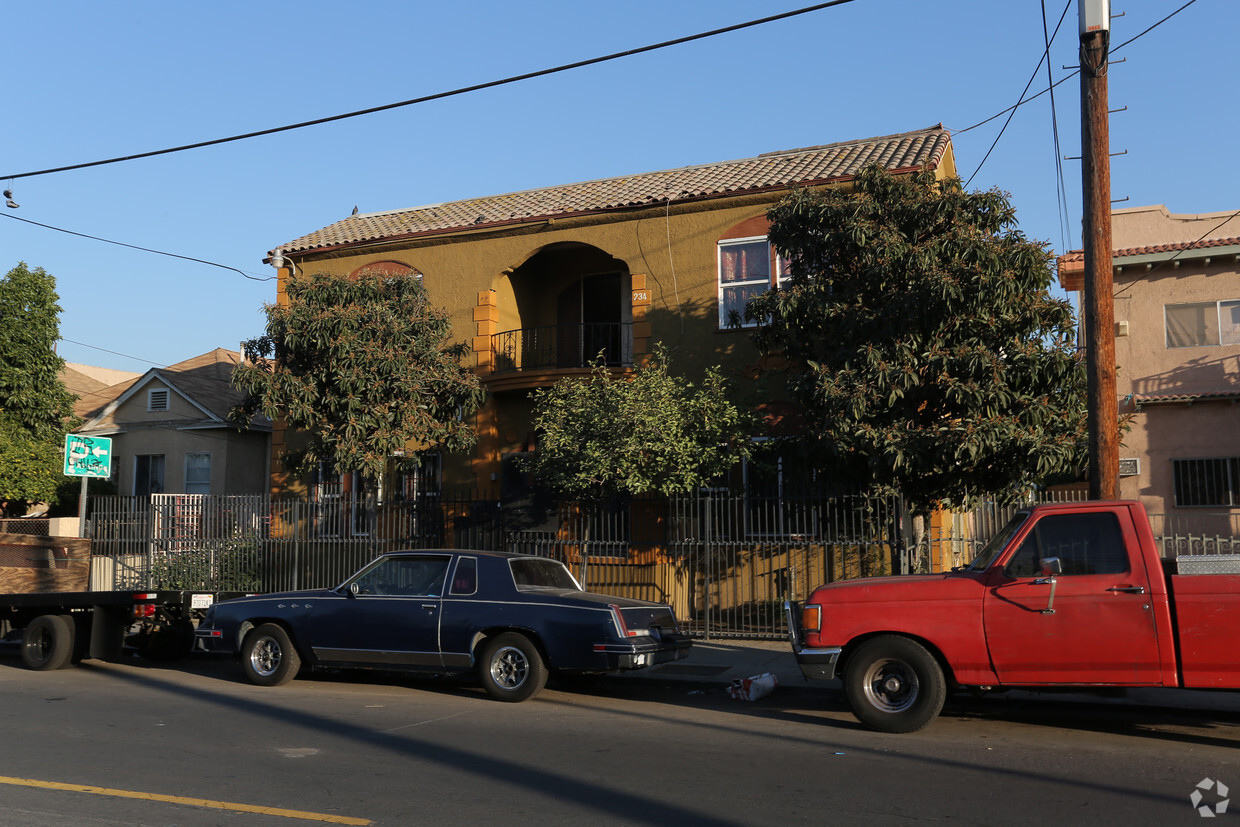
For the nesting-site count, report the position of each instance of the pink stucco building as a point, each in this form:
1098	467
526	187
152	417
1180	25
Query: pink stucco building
1177	345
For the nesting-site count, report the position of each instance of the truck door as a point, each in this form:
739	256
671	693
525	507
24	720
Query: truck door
1098	628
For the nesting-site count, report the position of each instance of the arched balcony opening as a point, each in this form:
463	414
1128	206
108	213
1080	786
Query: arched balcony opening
572	306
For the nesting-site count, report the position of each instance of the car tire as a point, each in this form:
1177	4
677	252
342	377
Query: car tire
47	643
511	668
268	657
894	684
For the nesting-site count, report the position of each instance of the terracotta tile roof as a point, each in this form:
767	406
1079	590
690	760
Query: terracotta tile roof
773	170
1078	256
1151	398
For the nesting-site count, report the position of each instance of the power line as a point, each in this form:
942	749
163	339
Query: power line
440	95
136	247
1045	58
1061	192
1070	75
115	353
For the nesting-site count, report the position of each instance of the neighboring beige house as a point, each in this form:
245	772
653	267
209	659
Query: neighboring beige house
170	430
1177	345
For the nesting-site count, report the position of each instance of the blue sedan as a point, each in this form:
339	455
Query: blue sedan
509	618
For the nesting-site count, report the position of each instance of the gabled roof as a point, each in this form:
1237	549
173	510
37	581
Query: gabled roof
809	166
205	382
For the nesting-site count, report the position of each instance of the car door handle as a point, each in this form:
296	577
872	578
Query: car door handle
1128	589
430	607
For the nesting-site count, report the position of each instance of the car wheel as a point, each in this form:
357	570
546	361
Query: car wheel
268	657
894	684
47	643
512	668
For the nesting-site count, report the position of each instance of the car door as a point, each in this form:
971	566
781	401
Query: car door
388	614
1092	623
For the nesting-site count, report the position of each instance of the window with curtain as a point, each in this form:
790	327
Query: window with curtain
747	268
1203	324
197	473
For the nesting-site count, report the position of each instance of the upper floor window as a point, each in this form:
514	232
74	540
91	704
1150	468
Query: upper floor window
747	268
1202	324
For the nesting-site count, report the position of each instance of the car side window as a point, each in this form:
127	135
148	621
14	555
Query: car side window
465	580
405	576
1084	543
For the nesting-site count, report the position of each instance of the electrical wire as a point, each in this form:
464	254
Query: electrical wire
136	247
1065	221
115	353
1045	58
1071	75
441	95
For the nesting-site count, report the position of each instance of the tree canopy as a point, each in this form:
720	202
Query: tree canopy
365	368
927	352
604	435
36	411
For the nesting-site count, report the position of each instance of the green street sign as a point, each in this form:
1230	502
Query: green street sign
88	456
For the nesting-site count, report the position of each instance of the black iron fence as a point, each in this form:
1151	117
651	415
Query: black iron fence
725	561
563	346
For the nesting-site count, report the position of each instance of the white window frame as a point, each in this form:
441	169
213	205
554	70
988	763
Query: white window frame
1228	334
777	274
189	489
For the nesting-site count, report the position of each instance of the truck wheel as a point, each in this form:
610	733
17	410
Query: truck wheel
47	643
511	668
268	657
894	684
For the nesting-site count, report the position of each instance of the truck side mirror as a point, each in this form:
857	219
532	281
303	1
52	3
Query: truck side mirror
1050	566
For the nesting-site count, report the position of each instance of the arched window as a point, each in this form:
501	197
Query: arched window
386	268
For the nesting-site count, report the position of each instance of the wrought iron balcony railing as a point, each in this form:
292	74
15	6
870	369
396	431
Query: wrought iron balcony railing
563	346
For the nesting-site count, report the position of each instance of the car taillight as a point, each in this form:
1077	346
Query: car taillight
811	618
618	618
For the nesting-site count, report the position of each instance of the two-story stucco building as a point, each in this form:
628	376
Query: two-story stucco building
543	282
1177	346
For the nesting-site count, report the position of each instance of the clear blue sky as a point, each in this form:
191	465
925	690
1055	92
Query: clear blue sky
88	81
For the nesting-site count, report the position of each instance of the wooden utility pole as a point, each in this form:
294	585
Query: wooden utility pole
1099	300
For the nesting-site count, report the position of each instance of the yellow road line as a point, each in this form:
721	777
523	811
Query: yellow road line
176	799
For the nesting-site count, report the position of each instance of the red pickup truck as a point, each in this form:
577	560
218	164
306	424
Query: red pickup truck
1068	595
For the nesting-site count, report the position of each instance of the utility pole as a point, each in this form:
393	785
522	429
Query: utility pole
1099	300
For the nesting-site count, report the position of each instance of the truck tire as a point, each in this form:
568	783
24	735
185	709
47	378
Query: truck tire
268	657
894	684
47	643
511	668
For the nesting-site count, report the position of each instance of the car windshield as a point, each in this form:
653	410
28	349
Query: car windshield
991	550
533	573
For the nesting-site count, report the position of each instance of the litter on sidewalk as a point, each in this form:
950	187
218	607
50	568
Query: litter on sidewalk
753	688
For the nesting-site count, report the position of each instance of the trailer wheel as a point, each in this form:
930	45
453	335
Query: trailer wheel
894	684
47	643
268	657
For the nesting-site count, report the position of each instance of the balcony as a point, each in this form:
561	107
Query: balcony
561	349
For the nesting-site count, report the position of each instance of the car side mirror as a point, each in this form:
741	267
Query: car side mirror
1050	566
354	589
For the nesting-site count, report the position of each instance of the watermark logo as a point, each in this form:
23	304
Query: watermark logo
1218	792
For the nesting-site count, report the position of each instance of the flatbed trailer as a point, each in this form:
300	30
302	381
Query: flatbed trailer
49	612
57	629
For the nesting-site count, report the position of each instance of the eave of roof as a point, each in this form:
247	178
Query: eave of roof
1199	396
1156	253
808	166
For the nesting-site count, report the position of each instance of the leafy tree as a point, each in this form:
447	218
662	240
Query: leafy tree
35	409
604	436
926	350
364	366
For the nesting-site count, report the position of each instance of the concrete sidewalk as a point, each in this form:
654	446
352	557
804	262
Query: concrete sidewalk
716	663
